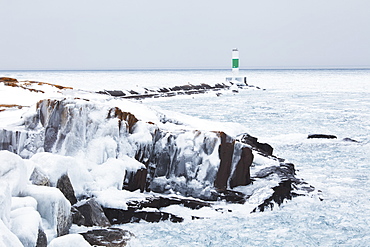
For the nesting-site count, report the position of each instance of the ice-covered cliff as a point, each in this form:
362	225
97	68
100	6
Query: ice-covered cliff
123	155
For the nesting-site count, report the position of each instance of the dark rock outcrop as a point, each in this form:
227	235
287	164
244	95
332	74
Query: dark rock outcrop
92	212
77	217
286	189
160	202
135	180
125	117
65	186
115	93
120	216
226	151
264	148
281	192
41	239
231	196
8	79
135	211
204	164
321	136
241	175
110	237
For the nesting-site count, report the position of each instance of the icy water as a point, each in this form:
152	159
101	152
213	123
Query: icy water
295	103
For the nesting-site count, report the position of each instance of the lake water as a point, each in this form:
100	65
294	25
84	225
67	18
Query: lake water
295	103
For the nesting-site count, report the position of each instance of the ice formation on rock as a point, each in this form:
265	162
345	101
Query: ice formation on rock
109	150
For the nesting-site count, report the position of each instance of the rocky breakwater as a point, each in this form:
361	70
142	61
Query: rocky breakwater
189	89
102	161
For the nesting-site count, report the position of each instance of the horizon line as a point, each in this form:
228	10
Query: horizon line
164	69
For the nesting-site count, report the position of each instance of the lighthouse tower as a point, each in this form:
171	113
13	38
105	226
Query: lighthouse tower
240	80
235	62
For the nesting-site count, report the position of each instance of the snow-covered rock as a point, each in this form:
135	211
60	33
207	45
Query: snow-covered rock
55	166
112	150
5	202
13	172
20	202
25	224
170	156
70	240
53	207
7	238
114	237
65	186
92	213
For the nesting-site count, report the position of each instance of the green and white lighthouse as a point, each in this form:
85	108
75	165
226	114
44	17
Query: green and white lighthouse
235	62
236	79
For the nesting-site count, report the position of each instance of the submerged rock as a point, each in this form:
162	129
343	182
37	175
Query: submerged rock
347	139
321	136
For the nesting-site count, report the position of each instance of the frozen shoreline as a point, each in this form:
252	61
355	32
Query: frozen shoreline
81	128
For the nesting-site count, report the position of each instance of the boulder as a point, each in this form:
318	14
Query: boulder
65	186
25	224
92	213
77	217
53	207
111	237
39	178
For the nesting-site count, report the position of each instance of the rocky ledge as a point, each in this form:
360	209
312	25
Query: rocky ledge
102	162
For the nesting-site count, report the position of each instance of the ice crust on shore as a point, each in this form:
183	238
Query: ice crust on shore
97	141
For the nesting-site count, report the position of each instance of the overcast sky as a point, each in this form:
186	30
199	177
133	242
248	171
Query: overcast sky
139	34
